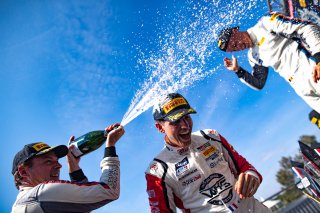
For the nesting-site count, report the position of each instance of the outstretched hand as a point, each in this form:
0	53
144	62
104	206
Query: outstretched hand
115	133
247	185
73	162
316	73
231	64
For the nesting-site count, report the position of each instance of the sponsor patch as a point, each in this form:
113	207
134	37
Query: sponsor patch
153	167
189	173
216	162
234	206
221	44
112	173
175	117
261	41
257	59
151	193
183	151
182	167
209	151
155	209
191	180
213	132
217	189
39	146
173	104
213	156
203	147
303	3
274	16
154	203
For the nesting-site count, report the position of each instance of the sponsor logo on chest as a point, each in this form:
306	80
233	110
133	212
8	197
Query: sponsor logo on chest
182	166
217	189
208	151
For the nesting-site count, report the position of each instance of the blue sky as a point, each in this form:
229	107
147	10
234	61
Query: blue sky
69	67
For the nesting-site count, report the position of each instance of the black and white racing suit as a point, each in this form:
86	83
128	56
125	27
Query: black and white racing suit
199	178
77	195
292	48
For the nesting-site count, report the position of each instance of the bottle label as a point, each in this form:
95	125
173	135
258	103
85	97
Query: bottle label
75	150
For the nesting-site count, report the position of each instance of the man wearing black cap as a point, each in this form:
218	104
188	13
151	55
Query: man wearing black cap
36	171
290	46
200	171
315	118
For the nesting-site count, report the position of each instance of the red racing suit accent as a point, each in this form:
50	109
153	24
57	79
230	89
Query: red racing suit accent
199	178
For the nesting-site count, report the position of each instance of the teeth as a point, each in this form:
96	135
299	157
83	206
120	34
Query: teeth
184	133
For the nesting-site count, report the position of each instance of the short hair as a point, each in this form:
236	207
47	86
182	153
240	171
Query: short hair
17	177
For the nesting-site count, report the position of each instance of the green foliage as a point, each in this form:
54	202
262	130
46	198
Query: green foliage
308	139
285	176
290	195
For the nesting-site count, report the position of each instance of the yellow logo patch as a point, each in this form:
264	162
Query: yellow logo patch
173	104
261	41
39	146
314	120
302	3
209	151
221	44
175	117
274	16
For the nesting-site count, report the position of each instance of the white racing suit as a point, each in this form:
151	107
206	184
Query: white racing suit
292	48
77	195
199	178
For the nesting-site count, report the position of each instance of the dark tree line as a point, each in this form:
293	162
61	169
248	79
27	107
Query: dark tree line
285	175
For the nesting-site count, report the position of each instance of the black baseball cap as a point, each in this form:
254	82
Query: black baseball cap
314	117
36	149
171	108
224	37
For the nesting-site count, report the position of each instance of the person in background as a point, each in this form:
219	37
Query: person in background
36	171
315	118
197	171
290	46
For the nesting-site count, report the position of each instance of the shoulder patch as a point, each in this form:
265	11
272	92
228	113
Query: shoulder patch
274	16
155	169
213	132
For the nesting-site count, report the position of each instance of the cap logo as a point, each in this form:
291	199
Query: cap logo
173	104
221	44
40	146
174	117
191	110
314	120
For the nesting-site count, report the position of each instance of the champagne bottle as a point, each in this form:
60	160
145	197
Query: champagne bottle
88	142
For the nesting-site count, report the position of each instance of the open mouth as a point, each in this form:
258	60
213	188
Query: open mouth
185	134
55	175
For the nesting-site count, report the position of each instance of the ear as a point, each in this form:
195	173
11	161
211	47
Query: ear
235	30
23	171
159	127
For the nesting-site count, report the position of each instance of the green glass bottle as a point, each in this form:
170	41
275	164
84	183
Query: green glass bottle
88	142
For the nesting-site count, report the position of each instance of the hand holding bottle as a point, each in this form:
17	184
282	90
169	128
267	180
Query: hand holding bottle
93	140
73	162
114	131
